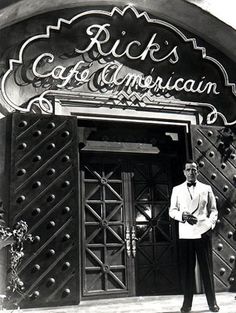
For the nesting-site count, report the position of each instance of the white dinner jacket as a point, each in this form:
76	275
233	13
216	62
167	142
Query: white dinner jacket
199	201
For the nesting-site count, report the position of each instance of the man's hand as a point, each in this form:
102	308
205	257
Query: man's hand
190	218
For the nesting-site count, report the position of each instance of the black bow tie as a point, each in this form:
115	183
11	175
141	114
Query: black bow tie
191	184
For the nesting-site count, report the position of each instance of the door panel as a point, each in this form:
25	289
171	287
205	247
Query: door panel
104	255
156	260
213	149
129	245
43	193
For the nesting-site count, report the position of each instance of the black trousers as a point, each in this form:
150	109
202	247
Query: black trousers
189	249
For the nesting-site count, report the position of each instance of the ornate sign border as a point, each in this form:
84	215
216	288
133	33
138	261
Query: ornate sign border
46	105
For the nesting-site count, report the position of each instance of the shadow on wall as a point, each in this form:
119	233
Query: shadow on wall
226	138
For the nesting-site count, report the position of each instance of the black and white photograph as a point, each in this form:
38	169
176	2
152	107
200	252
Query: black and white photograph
117	156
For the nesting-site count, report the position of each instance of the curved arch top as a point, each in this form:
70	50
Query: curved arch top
180	12
146	80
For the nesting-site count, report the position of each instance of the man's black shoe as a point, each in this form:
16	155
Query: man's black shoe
214	308
185	309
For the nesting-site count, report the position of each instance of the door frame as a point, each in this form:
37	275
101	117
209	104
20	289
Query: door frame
187	144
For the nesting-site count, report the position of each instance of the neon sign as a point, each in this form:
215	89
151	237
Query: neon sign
151	49
58	72
104	55
111	75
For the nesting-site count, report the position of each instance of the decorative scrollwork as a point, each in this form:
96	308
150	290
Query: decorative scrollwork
41	103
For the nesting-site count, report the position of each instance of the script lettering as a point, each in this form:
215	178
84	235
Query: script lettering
100	35
58	71
112	74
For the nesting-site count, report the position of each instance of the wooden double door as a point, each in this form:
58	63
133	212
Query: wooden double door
121	195
128	240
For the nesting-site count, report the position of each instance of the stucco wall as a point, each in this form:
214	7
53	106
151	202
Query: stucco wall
223	10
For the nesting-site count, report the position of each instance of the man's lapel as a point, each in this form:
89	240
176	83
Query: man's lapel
186	197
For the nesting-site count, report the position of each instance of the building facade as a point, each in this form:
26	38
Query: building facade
102	103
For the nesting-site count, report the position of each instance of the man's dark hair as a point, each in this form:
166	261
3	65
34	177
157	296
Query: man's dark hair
190	161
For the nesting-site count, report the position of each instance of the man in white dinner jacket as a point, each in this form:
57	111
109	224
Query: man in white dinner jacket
193	205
